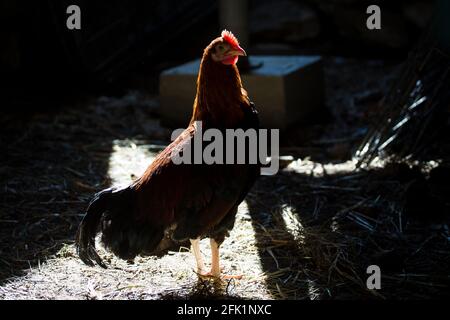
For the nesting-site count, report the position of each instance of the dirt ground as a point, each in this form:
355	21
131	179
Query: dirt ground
309	232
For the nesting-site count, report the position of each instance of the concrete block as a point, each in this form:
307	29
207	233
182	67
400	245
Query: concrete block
285	89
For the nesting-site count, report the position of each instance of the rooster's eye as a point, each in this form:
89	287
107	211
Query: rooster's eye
220	48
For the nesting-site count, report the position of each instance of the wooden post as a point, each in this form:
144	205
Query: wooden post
233	16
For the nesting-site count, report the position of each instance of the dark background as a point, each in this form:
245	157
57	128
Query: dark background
121	42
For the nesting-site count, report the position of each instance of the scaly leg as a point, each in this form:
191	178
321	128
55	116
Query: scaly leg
215	263
198	256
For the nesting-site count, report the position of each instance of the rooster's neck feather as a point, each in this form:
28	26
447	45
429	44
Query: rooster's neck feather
220	96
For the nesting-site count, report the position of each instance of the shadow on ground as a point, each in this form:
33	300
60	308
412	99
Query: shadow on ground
318	228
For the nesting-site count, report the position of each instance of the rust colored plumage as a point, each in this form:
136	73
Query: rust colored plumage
220	100
183	201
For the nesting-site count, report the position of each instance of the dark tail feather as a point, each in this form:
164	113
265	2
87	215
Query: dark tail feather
85	237
113	212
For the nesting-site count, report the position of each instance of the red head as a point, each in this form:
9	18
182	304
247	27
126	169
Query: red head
226	49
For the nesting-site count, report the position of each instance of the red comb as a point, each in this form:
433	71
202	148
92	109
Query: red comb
230	38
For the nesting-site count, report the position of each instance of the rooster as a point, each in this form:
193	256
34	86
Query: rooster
181	202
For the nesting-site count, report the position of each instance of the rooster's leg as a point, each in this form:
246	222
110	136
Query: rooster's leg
215	263
198	256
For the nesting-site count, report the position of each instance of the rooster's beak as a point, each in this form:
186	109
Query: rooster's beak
237	51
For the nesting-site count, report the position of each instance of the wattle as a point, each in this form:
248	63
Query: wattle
230	60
